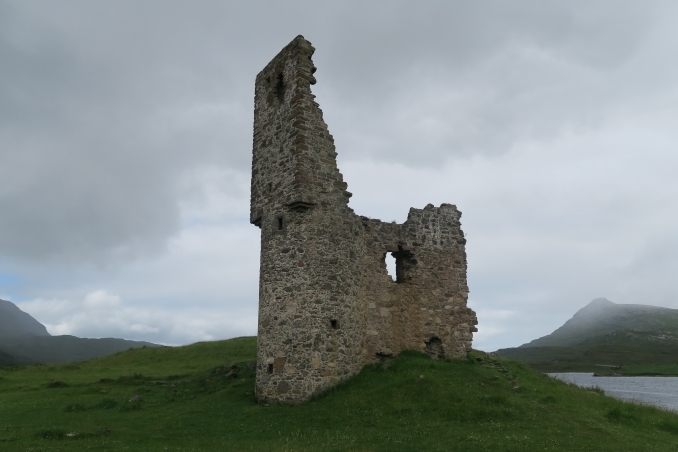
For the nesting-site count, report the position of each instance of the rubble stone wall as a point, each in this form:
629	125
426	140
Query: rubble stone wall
327	305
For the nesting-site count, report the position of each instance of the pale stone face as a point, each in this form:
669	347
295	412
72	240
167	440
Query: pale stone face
327	305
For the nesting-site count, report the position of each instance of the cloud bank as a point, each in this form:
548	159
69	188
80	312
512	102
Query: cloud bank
125	143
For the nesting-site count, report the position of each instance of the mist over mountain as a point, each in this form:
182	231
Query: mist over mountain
24	340
602	316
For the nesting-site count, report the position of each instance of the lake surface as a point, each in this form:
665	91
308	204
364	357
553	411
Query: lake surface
660	391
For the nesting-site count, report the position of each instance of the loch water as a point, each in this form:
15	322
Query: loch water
659	391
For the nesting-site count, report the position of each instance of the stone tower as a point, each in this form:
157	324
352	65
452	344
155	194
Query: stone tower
327	305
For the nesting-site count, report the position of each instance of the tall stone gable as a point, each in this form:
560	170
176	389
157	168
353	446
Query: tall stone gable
327	305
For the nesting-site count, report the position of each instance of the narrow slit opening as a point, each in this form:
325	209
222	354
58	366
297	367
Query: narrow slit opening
280	88
270	368
280	223
391	265
334	324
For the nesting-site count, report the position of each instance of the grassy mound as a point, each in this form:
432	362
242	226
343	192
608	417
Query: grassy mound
200	397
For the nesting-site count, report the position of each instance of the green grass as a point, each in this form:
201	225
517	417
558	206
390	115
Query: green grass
633	352
666	370
188	399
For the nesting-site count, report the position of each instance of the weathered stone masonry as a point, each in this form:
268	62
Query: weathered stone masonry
327	305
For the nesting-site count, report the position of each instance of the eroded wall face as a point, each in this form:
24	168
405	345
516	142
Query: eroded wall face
311	325
327	306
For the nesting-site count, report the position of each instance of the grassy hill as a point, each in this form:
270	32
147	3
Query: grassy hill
605	337
622	352
602	316
200	397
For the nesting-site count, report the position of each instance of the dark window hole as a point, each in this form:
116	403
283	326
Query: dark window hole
334	324
280	88
399	264
280	223
270	368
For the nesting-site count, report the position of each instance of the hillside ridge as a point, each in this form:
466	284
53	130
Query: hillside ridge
24	340
16	323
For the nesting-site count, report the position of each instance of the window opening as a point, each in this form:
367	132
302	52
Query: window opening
270	187
405	261
280	88
280	223
270	368
391	265
335	324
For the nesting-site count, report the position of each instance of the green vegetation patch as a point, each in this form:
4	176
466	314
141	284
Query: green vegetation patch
201	397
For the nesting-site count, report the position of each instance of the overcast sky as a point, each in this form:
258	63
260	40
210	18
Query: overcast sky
125	150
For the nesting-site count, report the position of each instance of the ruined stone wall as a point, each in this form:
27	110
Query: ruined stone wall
327	306
425	309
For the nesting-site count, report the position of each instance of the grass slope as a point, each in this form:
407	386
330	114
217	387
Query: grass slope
200	397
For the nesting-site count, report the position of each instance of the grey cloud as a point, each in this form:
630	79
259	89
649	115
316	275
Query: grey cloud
489	77
94	142
118	119
105	105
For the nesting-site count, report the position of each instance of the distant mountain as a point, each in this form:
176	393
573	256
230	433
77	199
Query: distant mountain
64	349
602	316
604	334
16	323
24	340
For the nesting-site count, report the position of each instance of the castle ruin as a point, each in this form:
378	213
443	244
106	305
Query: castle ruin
327	305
